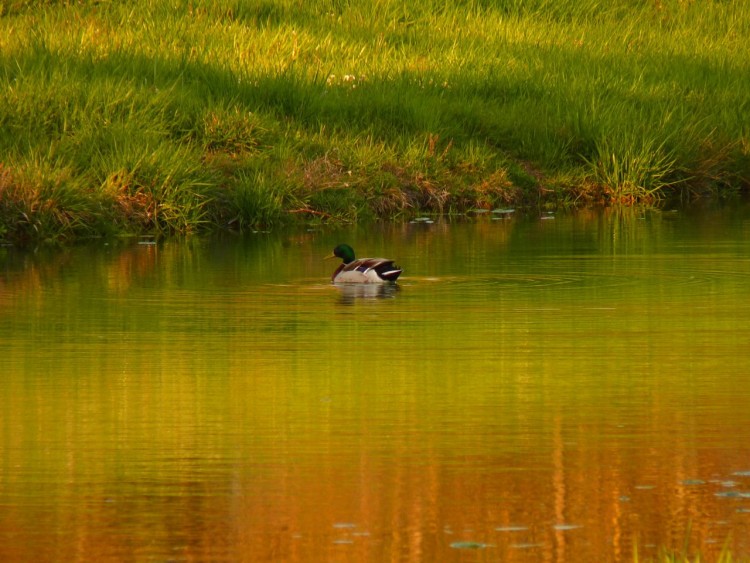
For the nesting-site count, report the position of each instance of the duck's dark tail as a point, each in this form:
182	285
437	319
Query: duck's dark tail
388	271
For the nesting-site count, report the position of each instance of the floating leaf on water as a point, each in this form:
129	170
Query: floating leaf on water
344	525
693	482
624	498
343	542
468	545
645	487
725	484
729	484
741	473
421	219
565	527
743	509
728	494
511	529
504	211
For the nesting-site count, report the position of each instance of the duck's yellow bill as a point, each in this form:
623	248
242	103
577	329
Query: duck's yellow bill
331	255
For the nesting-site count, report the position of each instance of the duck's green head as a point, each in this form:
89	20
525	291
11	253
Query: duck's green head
343	251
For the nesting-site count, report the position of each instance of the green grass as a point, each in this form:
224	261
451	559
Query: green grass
173	116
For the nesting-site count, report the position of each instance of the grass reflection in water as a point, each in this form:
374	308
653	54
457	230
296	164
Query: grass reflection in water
560	389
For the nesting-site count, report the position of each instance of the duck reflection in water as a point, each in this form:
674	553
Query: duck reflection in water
350	292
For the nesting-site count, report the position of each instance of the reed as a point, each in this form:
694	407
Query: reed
683	555
670	557
178	116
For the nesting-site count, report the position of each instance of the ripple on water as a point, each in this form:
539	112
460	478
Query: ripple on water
588	272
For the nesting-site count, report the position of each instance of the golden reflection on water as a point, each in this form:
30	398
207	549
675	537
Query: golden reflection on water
553	390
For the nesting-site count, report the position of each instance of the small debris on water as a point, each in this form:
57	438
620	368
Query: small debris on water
728	484
732	494
525	545
566	527
468	545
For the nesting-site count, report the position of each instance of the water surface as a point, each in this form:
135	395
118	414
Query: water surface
554	388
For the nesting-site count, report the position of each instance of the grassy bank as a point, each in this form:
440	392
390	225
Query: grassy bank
179	115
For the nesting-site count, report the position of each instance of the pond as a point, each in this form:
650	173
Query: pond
536	388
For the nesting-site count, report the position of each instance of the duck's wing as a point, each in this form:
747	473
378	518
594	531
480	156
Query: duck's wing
383	268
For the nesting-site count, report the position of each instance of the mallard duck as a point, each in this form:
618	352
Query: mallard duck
364	270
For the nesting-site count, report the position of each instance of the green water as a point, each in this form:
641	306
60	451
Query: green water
535	389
